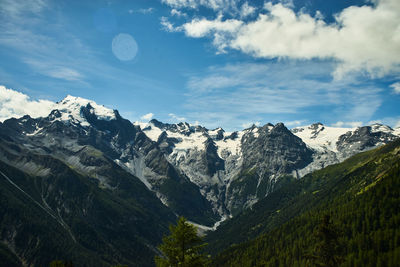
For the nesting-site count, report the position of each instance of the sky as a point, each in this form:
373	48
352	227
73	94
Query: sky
217	63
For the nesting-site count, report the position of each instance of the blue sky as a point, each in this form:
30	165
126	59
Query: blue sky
227	63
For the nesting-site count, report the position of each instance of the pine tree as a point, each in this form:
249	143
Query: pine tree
182	247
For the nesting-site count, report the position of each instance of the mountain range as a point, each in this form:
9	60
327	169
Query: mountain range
108	188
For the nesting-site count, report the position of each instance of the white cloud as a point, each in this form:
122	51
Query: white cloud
147	117
53	70
362	38
238	93
176	118
167	25
16	104
286	3
175	12
181	3
351	124
246	10
202	27
396	87
211	4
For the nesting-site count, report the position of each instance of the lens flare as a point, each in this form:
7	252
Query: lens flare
124	47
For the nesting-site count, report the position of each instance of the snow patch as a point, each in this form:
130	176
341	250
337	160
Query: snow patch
320	137
232	146
152	132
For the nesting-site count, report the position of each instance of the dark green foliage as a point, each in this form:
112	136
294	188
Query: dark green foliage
362	197
327	251
7	257
182	247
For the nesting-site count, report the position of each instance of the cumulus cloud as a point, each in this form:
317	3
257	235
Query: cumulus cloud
175	12
147	117
362	38
167	25
246	10
396	87
16	104
202	27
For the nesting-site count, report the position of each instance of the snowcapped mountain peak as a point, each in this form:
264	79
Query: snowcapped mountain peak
70	108
377	127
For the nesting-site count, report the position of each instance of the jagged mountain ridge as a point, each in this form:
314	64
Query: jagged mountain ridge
199	173
247	163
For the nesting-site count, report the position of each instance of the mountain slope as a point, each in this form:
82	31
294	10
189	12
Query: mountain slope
362	196
232	170
48	206
77	126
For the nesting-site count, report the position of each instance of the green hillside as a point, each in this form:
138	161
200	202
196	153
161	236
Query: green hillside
362	196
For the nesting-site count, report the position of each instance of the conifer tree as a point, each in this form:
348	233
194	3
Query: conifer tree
182	247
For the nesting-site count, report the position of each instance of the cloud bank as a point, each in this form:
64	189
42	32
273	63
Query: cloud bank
362	38
14	104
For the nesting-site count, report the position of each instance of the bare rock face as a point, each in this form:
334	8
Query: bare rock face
268	152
